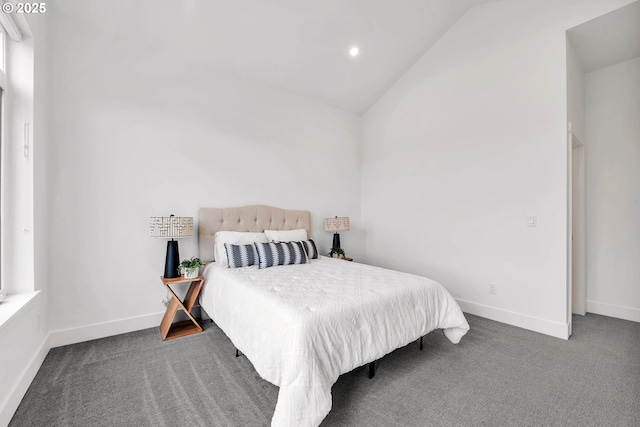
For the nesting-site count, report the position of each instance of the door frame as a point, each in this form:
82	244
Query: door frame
576	260
578	230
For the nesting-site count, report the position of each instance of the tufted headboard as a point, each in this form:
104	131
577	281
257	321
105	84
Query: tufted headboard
256	218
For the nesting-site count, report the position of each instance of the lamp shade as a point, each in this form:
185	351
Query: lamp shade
336	224
170	227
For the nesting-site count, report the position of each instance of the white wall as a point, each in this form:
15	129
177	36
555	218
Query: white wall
136	134
613	190
463	148
24	338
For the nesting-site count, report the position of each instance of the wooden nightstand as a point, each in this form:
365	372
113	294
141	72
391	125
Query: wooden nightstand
169	330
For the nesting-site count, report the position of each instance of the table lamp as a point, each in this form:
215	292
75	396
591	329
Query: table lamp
171	227
336	224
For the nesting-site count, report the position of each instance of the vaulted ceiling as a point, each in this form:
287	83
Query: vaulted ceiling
608	39
299	46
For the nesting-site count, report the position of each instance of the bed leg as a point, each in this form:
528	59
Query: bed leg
372	370
421	346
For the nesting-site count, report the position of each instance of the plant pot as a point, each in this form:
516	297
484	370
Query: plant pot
190	273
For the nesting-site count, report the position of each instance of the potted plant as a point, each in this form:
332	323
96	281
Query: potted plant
336	253
190	268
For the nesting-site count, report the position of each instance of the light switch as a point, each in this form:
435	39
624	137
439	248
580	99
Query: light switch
532	221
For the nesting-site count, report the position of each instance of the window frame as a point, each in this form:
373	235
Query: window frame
4	88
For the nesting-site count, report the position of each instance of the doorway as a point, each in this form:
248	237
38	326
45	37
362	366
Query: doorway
603	236
578	228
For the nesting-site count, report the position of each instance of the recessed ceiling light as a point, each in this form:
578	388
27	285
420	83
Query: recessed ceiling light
354	51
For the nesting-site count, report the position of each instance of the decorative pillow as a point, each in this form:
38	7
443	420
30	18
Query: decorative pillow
286	235
310	248
281	253
235	238
241	255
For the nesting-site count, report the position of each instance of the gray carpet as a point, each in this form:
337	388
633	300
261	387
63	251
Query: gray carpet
498	375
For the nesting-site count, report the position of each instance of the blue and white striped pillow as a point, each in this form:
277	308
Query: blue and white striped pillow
241	255
310	249
281	253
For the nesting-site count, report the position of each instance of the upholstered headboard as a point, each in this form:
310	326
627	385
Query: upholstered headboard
256	218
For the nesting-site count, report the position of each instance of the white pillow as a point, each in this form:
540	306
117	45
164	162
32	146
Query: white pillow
234	238
286	235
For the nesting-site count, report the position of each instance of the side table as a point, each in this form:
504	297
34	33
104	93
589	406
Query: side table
169	330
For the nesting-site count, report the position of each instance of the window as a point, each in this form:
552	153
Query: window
3	85
2	51
16	166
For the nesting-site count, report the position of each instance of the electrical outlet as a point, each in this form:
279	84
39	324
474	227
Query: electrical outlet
165	301
493	288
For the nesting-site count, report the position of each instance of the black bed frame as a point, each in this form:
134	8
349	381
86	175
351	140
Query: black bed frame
372	365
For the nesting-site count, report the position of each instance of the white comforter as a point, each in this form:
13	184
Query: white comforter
302	326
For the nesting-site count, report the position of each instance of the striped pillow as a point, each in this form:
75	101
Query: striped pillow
241	255
281	253
310	248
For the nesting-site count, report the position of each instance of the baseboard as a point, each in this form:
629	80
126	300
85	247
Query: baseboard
543	326
611	310
105	329
10	405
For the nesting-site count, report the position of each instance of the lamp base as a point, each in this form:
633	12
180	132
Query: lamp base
172	260
336	240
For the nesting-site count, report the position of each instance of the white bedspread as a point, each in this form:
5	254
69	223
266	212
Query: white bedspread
302	326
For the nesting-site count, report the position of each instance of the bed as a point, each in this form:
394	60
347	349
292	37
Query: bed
304	325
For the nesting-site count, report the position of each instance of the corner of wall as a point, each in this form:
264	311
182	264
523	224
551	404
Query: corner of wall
536	324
